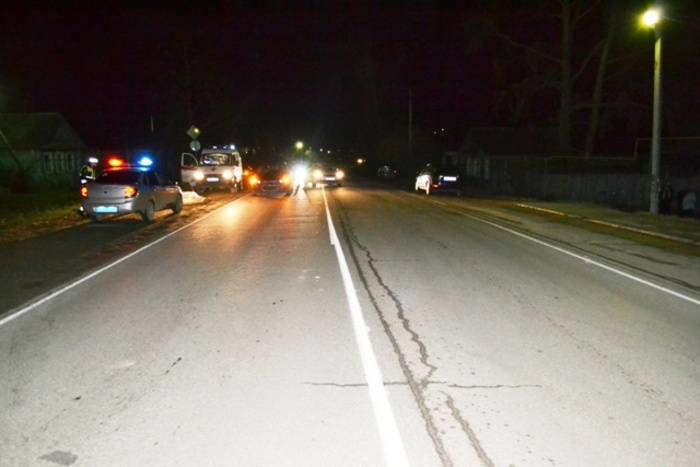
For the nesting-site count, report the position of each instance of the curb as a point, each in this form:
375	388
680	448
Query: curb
611	224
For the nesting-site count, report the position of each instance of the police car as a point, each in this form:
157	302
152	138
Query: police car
125	189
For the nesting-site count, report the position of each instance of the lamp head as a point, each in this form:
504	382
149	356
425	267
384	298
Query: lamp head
652	17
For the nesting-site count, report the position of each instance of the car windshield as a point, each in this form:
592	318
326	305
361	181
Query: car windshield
119	177
215	159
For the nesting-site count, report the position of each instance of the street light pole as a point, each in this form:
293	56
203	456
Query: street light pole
656	130
652	18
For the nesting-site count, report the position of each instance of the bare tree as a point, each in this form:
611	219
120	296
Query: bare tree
537	64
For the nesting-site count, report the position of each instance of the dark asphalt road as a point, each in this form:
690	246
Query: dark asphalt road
32	268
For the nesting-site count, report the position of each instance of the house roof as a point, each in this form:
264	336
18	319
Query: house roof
511	142
38	131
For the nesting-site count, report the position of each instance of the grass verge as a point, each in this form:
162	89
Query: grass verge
24	215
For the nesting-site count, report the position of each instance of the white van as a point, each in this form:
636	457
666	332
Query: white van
213	168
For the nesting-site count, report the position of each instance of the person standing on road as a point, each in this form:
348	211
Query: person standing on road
88	173
689	203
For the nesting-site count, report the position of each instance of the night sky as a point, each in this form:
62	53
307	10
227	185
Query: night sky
260	72
291	72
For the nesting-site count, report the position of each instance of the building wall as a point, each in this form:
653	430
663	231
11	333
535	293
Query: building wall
45	167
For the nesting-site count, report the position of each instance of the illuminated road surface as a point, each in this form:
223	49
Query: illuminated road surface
237	341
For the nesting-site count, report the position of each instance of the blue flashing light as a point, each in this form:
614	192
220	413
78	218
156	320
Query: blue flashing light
145	161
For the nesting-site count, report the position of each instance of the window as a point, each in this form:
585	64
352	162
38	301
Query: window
48	163
69	162
58	162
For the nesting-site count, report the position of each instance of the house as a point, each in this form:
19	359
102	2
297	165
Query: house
41	148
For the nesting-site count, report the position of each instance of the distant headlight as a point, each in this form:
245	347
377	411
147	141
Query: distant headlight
299	173
318	174
228	175
199	175
339	174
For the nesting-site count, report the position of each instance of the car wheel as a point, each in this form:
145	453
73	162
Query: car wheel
96	217
177	206
149	213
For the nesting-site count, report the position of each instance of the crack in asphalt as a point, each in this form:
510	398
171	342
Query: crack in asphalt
429	383
468	430
355	385
494	386
417	387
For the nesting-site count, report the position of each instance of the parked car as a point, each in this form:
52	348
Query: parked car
272	179
129	189
328	174
440	178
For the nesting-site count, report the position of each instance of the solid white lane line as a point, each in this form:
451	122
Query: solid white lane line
394	451
595	263
58	292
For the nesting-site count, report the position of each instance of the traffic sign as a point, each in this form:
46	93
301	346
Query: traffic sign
193	132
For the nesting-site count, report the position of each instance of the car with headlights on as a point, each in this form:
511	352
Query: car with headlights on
272	179
212	169
440	178
328	175
126	189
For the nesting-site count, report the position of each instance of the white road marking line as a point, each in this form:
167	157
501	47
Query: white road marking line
394	451
593	262
60	291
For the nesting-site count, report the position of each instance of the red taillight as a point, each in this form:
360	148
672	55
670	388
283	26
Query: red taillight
130	192
83	192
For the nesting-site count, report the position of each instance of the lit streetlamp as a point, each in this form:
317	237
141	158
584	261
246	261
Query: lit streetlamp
299	145
652	19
